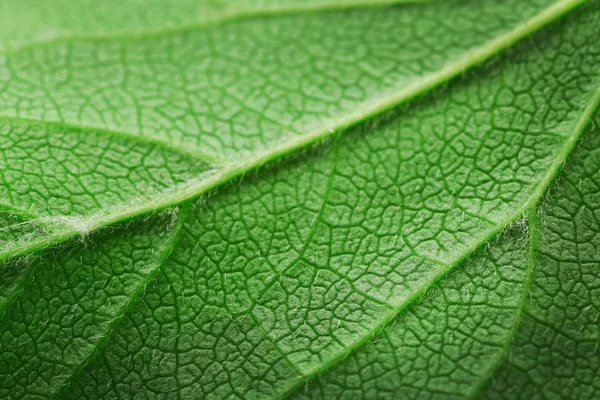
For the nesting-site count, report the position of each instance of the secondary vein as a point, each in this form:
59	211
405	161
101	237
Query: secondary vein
214	160
532	250
135	296
230	16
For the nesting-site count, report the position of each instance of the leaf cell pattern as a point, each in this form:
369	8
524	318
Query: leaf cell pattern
428	248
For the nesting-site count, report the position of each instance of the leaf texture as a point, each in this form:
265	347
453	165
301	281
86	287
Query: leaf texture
203	94
431	245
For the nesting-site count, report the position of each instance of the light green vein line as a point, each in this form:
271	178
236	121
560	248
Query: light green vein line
229	16
195	188
496	362
212	159
137	294
564	152
533	232
558	161
532	202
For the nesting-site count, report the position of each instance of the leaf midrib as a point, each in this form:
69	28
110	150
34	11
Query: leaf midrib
367	110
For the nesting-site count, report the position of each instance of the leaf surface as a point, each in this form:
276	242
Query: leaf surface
417	252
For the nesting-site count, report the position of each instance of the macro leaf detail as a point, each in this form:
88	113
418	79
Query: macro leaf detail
319	199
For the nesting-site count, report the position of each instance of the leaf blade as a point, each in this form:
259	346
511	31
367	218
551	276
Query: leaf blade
276	280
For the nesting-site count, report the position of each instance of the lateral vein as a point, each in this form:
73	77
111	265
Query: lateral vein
230	16
532	251
209	158
136	295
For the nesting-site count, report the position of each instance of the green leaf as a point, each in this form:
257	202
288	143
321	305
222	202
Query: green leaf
431	228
